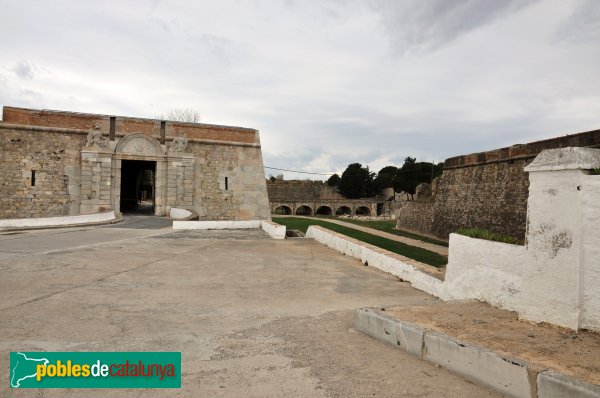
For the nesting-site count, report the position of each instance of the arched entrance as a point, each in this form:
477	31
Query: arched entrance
283	210
137	186
362	211
324	211
304	211
139	175
343	210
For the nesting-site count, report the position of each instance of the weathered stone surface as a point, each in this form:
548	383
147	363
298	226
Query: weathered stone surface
73	178
486	190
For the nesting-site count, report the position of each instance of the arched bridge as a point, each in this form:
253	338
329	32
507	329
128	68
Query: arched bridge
327	207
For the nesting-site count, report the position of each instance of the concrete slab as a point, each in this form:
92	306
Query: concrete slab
494	364
253	317
552	384
507	375
375	323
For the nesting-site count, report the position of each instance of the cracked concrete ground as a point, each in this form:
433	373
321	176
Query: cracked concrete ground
251	316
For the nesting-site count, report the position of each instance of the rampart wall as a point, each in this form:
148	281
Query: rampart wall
128	125
297	190
485	190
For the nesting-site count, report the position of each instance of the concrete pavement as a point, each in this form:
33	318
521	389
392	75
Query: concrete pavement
252	316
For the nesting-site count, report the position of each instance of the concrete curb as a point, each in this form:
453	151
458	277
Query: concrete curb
511	376
421	276
118	218
58	221
274	230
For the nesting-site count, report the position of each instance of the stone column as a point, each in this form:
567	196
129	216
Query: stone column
552	287
95	182
160	188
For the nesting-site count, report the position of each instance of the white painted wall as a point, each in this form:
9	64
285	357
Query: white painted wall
402	267
179	213
275	231
216	224
555	278
590	232
57	221
484	270
550	290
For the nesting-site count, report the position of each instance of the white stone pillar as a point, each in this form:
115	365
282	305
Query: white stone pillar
552	287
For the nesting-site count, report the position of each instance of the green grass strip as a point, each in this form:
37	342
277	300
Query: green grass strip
416	253
389	226
481	233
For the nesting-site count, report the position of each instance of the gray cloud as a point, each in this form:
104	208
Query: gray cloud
316	77
583	25
416	26
24	70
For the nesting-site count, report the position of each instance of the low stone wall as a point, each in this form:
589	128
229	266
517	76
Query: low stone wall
555	278
418	274
57	221
484	270
275	231
414	216
216	224
590	231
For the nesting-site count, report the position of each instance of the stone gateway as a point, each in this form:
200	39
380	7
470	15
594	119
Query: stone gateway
55	163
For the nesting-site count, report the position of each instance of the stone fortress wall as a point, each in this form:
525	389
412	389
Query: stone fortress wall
56	160
484	190
298	190
219	172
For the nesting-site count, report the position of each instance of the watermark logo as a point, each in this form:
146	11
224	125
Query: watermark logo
95	369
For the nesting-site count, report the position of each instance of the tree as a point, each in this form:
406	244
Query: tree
385	177
357	182
334	180
411	174
187	115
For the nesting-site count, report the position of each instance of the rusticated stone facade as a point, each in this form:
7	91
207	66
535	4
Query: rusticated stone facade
63	163
485	190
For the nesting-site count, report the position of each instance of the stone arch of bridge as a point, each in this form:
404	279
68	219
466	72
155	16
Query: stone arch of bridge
324	210
283	210
362	211
343	210
304	210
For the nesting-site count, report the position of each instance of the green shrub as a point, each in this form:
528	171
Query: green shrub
481	233
596	171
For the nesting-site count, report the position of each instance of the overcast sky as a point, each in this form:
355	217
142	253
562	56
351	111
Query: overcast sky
327	83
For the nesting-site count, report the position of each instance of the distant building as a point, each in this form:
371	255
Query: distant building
55	163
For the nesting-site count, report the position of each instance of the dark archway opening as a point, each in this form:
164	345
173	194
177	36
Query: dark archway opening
137	186
283	210
324	211
362	211
343	210
304	211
